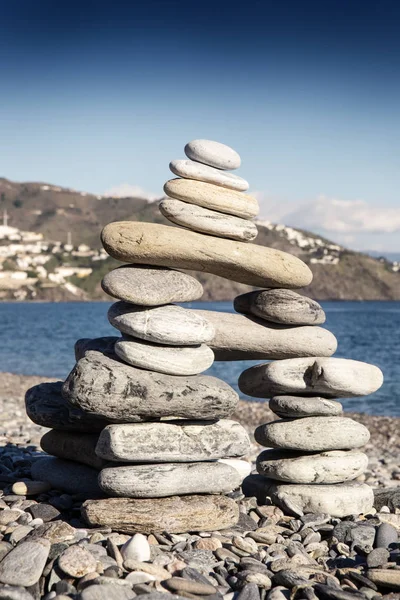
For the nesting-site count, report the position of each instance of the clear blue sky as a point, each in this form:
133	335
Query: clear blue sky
95	94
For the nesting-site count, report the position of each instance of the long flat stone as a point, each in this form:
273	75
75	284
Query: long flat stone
173	442
46	406
280	306
176	514
213	153
24	564
240	337
326	467
313	434
208	221
304	406
330	377
71	445
68	476
170	324
150	243
109	388
158	480
190	169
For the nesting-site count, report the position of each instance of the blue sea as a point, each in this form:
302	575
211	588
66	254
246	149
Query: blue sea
38	339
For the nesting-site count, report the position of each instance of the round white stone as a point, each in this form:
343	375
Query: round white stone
189	169
213	154
136	548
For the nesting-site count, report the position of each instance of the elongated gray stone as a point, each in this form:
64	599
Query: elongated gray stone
239	337
327	467
150	243
173	442
151	285
170	324
213	153
25	563
304	406
208	221
45	406
313	434
66	475
280	306
79	447
330	377
158	480
176	514
190	169
171	360
109	388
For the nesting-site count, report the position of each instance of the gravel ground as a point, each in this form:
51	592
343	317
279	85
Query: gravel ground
47	552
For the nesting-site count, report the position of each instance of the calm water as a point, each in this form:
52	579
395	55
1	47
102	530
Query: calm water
38	339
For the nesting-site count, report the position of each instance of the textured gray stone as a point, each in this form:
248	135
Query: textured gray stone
330	377
77	561
71	477
313	434
107	591
303	406
173	442
239	337
71	445
171	325
213	154
151	285
25	563
107	387
158	480
386	535
326	467
190	169
170	360
280	306
208	221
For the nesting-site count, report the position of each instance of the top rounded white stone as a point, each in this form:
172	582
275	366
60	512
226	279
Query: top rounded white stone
213	154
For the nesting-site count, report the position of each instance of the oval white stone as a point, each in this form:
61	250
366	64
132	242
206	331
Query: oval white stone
213	154
189	169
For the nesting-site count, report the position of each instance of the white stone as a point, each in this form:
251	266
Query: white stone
137	548
189	169
242	466
213	154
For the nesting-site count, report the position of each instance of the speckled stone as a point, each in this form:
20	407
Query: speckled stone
190	169
213	154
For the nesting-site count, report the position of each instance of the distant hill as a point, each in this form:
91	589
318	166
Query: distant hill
339	273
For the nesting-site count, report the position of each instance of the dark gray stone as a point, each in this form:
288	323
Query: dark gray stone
389	497
71	445
378	557
385	535
71	477
280	306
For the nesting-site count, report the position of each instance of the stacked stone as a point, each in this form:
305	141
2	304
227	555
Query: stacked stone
313	454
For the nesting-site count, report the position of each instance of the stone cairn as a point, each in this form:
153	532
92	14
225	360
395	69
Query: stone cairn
137	421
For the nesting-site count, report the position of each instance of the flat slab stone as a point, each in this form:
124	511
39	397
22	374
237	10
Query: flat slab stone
151	285
190	169
109	388
68	476
208	221
176	514
171	360
239	337
46	406
330	377
280	306
326	467
150	243
173	442
170	324
158	480
213	153
25	563
71	445
313	434
213	197
304	406
340	500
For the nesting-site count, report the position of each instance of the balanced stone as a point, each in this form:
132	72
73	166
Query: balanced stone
173	514
170	324
313	434
304	406
327	467
45	406
151	285
105	345
213	153
71	477
158	480
171	360
208	221
173	442
70	445
150	243
190	169
331	377
280	306
121	393
212	197
239	337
